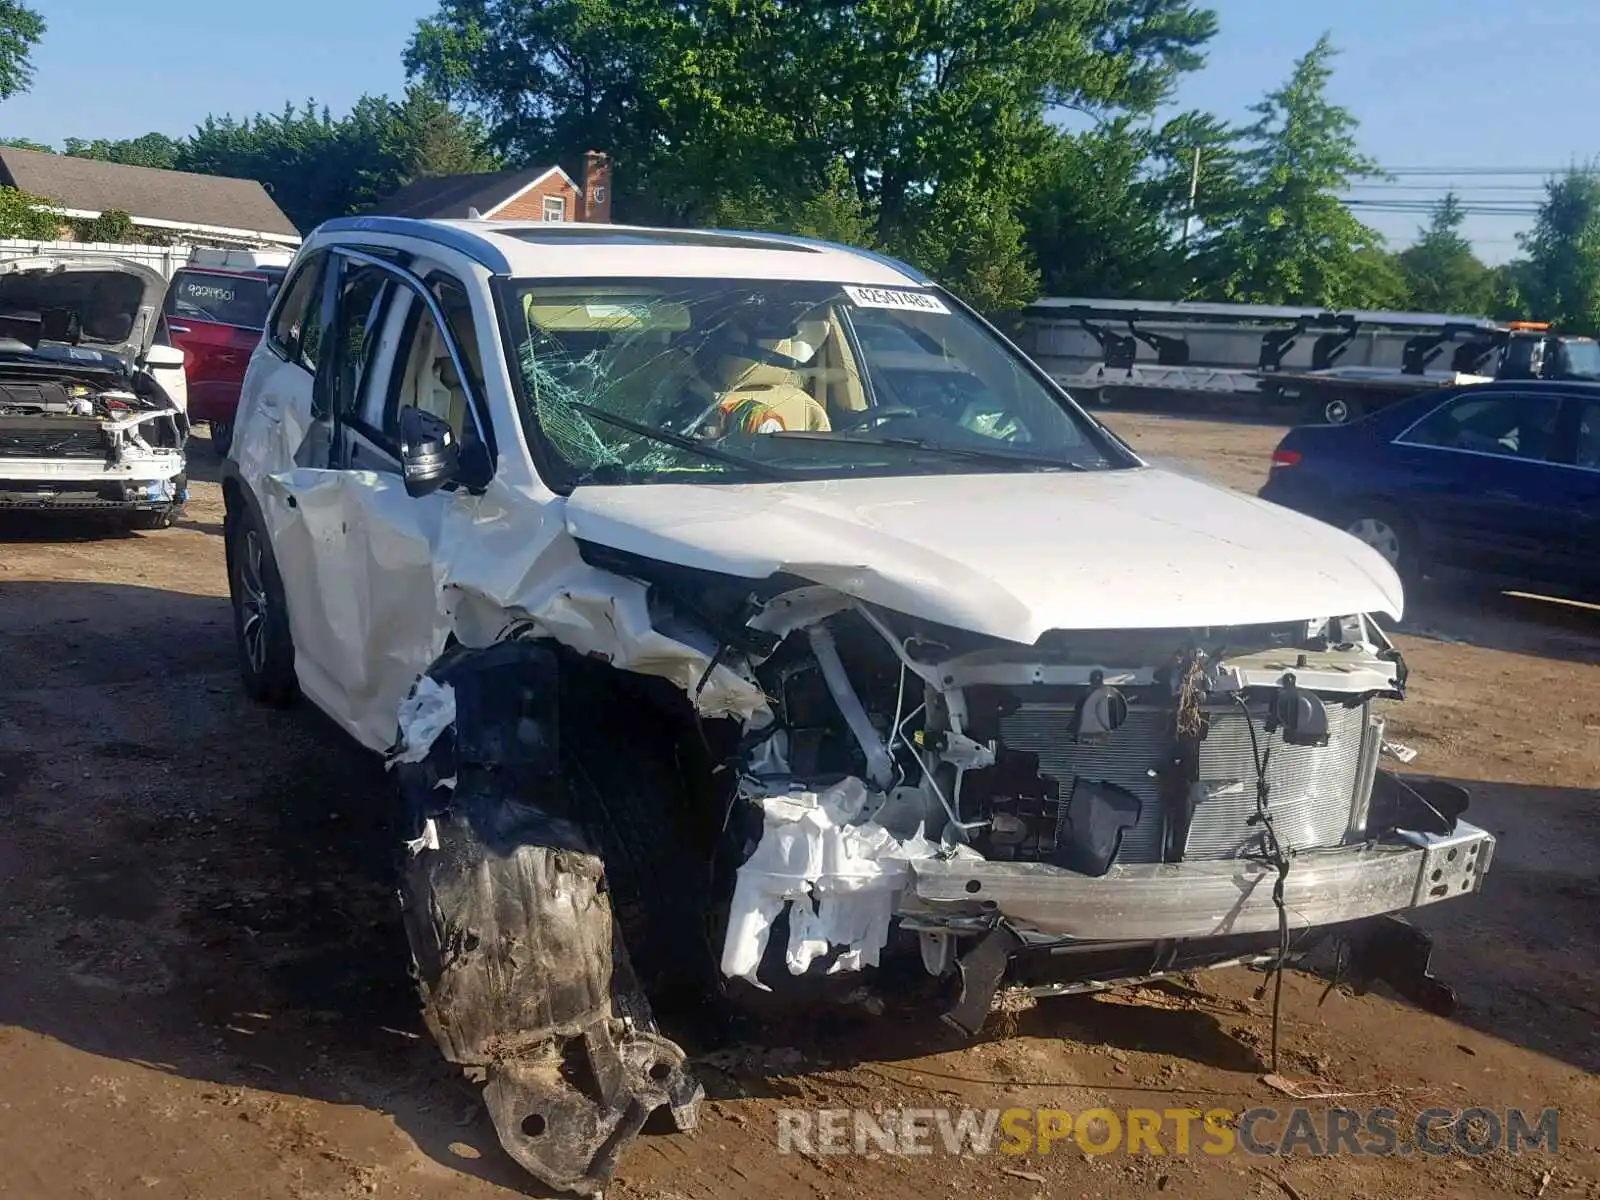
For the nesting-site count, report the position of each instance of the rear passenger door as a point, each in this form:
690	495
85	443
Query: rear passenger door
355	551
1479	479
276	409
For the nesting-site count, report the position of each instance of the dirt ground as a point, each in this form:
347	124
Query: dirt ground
203	989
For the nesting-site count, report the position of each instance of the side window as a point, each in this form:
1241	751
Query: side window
296	331
426	375
362	292
1506	424
1588	453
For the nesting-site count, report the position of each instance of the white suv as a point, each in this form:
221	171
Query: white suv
719	584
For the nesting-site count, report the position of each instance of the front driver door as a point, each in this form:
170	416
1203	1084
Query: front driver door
355	551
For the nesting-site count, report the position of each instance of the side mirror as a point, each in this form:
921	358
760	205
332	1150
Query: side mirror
159	358
430	456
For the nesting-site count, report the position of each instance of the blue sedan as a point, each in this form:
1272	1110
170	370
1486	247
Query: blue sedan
1501	480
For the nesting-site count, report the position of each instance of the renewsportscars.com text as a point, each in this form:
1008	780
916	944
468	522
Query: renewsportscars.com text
1168	1131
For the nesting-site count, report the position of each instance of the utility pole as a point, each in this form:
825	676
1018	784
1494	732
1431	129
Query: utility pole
1194	190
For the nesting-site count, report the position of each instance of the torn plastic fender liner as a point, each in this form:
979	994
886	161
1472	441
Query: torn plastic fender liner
517	961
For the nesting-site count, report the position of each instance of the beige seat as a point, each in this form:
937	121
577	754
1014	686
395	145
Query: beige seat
433	383
762	397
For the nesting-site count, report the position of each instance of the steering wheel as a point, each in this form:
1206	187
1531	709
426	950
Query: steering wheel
866	418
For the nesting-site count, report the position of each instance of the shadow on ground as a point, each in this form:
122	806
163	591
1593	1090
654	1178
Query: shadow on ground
1459	613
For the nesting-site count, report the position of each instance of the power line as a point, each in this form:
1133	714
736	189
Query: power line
1430	205
1426	210
1441	189
1481	170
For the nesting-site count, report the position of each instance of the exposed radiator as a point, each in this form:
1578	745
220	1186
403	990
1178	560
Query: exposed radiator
49	443
1313	791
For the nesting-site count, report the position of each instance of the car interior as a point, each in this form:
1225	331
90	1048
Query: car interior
734	376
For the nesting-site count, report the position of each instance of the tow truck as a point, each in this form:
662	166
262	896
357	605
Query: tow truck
1331	365
1517	350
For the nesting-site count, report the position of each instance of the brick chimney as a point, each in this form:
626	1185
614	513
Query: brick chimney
596	187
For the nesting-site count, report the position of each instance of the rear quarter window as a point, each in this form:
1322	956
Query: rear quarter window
237	300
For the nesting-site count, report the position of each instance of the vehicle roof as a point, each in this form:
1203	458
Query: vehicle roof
237	272
1533	385
547	250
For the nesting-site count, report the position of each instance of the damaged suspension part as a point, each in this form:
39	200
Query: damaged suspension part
522	974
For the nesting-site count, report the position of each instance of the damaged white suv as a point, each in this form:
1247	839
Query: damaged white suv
742	608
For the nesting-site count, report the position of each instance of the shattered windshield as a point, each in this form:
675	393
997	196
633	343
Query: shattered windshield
705	379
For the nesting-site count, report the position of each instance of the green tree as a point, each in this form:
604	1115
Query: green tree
317	166
1096	221
933	112
1442	274
299	154
835	214
1509	290
1561	279
25	216
1287	238
20	31
426	137
149	150
1219	176
970	239
110	226
22	143
1377	280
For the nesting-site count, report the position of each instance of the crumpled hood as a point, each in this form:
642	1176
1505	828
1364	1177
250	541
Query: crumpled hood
117	300
1011	555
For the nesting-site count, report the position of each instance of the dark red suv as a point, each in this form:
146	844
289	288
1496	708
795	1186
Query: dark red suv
216	316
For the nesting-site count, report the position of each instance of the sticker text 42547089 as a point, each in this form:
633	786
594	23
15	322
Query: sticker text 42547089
898	298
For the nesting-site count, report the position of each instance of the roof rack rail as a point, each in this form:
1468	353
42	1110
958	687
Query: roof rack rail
906	269
451	237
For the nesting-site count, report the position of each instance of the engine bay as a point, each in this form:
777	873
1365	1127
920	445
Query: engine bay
895	744
99	416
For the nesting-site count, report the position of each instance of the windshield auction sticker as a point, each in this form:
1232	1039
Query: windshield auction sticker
871	297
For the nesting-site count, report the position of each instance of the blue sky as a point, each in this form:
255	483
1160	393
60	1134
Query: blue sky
1436	83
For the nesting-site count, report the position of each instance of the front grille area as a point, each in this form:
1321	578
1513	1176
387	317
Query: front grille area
52	443
1311	789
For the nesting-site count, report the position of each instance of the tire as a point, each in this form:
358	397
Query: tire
221	437
260	615
1340	411
564	752
624	768
1393	537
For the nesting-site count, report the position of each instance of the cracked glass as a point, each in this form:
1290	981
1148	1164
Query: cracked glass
686	380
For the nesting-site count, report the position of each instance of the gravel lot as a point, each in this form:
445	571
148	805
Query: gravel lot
204	990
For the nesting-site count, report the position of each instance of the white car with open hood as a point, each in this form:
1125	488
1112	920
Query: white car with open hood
92	412
741	613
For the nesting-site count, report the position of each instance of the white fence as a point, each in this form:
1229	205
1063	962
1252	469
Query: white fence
166	259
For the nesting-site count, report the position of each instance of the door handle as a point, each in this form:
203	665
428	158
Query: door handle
171	328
